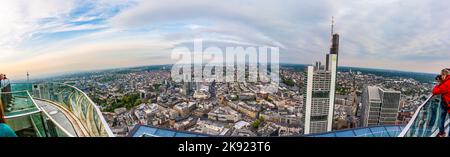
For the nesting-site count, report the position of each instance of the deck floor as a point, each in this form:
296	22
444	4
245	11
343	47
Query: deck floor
57	115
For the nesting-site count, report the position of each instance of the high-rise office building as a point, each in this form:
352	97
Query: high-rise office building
379	106
187	85
320	92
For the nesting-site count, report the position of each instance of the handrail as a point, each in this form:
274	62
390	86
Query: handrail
97	110
411	122
53	120
426	120
23	114
39	110
96	124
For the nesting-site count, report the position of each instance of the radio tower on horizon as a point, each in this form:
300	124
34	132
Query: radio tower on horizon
28	76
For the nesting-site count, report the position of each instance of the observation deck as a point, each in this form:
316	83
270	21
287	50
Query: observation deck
51	110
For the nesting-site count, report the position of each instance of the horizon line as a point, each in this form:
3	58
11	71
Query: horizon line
63	74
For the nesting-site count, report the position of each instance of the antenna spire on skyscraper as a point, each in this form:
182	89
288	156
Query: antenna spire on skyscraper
334	39
332	25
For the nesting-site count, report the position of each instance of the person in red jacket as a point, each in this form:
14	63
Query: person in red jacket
443	89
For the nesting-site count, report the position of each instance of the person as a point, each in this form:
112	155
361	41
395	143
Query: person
443	89
5	130
6	89
2	78
2	99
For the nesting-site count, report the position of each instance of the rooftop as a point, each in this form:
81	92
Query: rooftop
374	131
373	93
152	131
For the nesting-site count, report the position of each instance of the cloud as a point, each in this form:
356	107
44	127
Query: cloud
29	25
405	35
19	18
97	56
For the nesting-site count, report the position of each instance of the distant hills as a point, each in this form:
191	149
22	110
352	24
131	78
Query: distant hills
421	77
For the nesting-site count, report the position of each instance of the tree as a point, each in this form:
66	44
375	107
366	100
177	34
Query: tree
288	81
128	101
257	122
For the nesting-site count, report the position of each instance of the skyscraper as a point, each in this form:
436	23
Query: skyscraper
320	92
187	85
379	106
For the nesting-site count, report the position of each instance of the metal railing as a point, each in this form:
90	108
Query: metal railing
18	104
21	112
78	103
426	120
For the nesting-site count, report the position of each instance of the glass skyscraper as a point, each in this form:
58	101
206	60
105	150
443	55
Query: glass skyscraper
379	106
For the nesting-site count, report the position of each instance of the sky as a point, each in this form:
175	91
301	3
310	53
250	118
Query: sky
50	37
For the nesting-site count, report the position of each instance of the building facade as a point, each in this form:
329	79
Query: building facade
379	106
320	92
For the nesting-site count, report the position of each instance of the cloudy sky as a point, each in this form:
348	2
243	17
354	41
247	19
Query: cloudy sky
47	37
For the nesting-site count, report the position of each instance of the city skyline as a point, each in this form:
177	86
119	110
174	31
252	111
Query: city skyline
50	36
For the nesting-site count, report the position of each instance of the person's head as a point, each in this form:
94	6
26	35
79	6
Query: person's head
445	73
2	76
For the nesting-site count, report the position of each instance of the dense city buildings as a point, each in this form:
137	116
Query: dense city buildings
308	100
148	96
379	106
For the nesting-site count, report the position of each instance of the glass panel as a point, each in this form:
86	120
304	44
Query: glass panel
77	102
23	126
179	134
326	135
38	124
345	134
401	127
17	103
393	131
363	132
427	119
379	132
145	131
201	136
24	115
21	87
164	133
